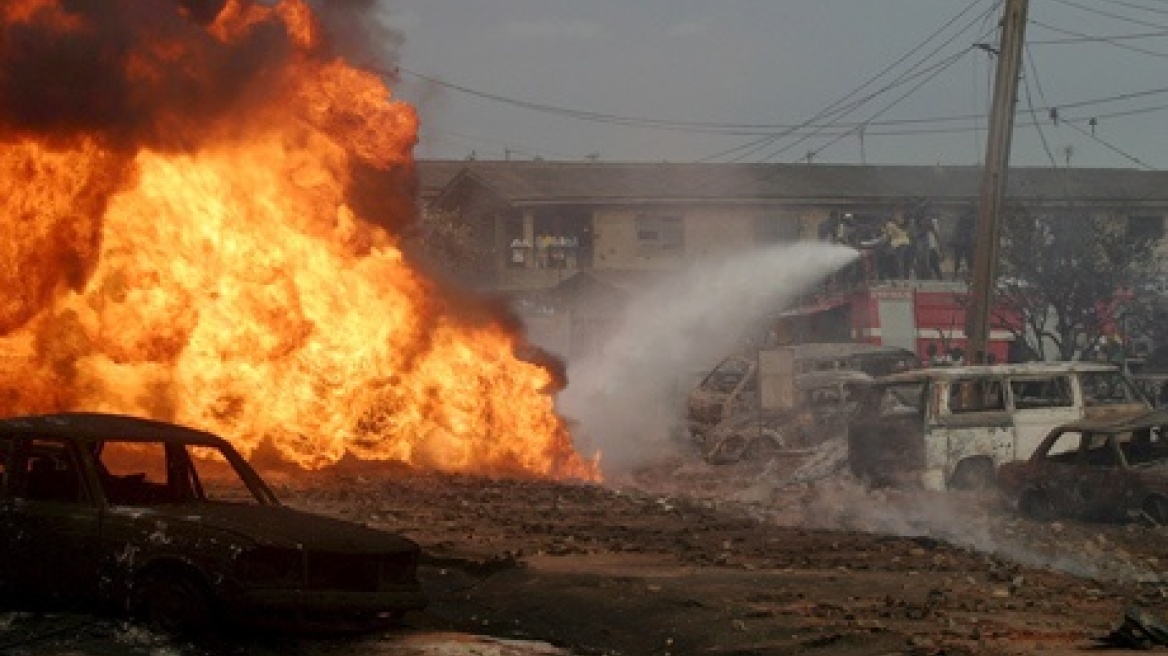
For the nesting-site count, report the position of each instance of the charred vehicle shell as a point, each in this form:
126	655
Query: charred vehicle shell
764	388
172	524
951	427
1095	469
818	410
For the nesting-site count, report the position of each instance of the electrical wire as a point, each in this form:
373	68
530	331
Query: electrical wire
1111	42
1132	5
834	109
1097	39
1113	148
1107	14
825	124
937	71
713	127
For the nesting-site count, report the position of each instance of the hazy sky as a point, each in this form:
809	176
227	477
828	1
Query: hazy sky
735	65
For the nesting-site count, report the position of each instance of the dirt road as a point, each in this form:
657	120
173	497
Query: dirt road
690	559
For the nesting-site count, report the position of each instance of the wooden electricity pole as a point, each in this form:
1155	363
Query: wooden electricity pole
993	183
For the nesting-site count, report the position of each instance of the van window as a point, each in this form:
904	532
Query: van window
1051	392
1108	388
726	376
885	364
976	395
901	399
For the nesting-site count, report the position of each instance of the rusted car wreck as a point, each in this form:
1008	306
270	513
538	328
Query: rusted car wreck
784	398
1095	469
951	427
115	513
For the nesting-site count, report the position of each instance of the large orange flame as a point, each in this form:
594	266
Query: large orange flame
212	267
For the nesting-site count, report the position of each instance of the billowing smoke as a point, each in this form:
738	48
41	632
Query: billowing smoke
357	31
126	71
626	398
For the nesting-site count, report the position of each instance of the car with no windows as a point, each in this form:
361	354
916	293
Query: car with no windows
1095	469
171	524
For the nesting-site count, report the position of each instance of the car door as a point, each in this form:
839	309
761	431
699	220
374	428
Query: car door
1053	474
1100	484
53	522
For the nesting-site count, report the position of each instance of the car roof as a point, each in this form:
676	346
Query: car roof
1035	368
1119	424
831	377
99	426
846	349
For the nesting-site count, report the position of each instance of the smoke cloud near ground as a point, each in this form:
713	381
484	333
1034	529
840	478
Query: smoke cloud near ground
819	493
625	400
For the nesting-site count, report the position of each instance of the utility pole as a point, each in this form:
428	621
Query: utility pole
993	183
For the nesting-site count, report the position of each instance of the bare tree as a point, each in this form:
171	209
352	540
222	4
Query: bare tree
1066	278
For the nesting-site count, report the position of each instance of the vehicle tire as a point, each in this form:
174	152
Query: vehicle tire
1037	506
1156	509
973	474
176	603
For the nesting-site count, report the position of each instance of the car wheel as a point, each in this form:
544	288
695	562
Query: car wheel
176	604
973	474
1156	509
1037	506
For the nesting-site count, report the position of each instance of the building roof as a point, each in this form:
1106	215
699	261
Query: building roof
1023	369
536	183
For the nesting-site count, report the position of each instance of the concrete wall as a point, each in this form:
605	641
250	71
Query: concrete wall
706	231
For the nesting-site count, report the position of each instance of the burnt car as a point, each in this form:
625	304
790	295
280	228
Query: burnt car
109	512
819	410
1095	469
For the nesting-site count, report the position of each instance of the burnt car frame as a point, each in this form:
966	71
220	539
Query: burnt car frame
1095	469
820	408
732	392
115	513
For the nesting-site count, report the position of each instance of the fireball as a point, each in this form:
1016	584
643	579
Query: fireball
203	204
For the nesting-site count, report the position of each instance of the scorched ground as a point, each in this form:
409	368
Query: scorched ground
747	562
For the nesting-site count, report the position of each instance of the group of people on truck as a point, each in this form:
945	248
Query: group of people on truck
904	247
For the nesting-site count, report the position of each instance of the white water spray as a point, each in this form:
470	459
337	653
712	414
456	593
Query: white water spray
625	400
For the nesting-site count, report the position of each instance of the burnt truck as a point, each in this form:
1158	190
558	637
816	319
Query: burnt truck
783	398
952	427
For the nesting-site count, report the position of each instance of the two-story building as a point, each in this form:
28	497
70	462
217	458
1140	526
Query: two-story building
569	239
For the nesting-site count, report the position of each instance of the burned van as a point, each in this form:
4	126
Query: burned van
951	427
731	390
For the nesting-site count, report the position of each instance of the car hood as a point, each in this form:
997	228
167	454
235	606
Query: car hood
278	526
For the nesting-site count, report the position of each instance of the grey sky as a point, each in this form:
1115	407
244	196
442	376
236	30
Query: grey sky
777	62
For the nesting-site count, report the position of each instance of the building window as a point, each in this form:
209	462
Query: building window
663	234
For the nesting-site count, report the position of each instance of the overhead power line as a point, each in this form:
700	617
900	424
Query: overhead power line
842	106
1115	149
1108	14
1098	39
1133	5
1111	42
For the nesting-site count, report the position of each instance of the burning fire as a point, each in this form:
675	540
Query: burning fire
192	237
